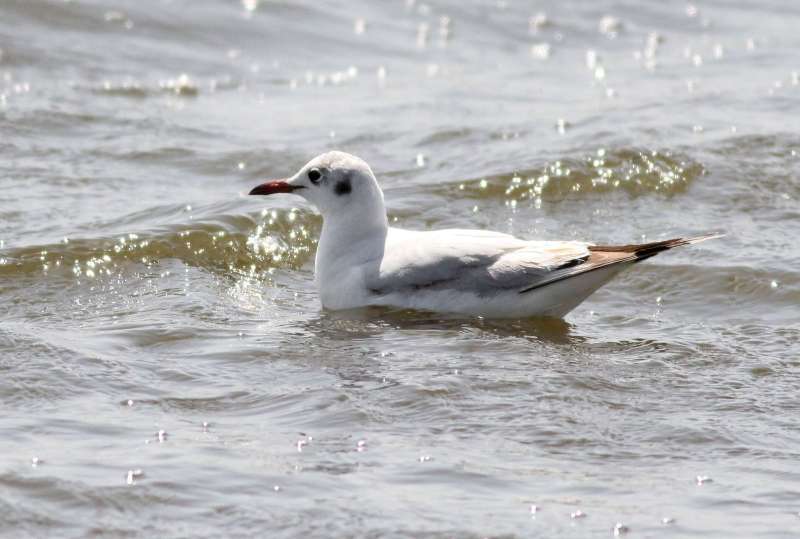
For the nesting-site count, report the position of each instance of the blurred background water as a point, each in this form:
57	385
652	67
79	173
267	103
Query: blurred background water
166	369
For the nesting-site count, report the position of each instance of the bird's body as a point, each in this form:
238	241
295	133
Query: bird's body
361	261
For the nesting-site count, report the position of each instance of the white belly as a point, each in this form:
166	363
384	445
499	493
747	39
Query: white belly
555	300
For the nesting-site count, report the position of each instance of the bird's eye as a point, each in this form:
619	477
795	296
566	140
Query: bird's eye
314	175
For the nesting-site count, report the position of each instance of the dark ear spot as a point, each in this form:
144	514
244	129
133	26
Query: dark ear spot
343	187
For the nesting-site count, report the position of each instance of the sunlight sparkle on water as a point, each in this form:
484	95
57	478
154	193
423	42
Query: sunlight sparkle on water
609	26
538	22
620	529
133	475
540	51
359	26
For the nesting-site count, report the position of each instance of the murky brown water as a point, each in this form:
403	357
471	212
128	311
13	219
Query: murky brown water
165	367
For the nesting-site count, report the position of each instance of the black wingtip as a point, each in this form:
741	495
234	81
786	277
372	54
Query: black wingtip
646	250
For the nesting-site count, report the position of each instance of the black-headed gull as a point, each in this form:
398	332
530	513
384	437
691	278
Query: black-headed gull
362	261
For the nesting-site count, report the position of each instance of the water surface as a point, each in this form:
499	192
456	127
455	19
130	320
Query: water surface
166	369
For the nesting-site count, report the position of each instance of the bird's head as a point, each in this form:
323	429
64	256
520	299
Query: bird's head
337	183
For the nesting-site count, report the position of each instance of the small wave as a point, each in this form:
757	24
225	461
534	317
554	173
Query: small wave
635	171
224	244
757	147
444	136
714	289
182	85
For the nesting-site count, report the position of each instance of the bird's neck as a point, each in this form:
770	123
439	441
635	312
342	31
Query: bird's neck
350	240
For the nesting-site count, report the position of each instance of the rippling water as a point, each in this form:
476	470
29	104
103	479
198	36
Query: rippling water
166	369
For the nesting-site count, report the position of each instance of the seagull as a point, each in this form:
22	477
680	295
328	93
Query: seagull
361	261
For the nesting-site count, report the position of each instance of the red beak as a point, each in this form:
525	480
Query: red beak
274	186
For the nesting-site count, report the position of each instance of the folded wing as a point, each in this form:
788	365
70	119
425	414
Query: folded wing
475	261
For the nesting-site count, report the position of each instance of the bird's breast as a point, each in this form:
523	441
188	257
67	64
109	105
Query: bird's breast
342	284
347	259
343	288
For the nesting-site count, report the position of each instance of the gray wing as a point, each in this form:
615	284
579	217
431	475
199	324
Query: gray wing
475	261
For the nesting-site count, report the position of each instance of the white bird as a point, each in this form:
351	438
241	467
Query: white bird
362	261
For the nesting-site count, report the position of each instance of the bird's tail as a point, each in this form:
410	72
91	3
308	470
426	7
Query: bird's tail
642	251
605	256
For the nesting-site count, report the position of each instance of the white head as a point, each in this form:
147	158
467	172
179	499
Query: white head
340	185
